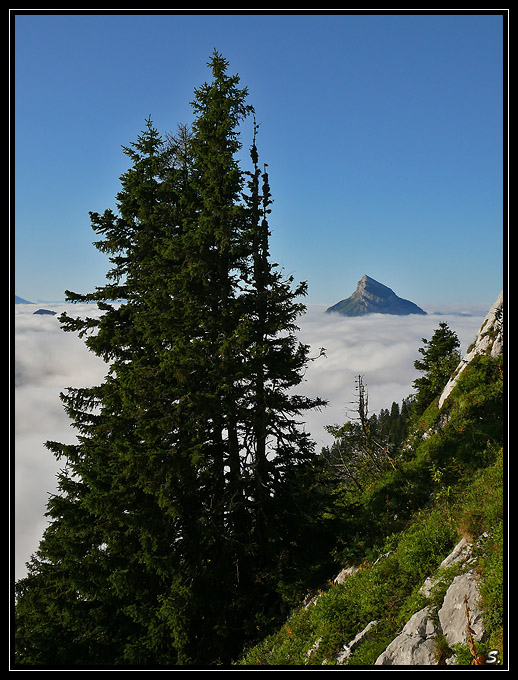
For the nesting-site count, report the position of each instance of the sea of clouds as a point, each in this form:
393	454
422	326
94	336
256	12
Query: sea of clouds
380	348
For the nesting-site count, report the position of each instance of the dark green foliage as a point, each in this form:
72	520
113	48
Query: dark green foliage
440	358
180	523
392	424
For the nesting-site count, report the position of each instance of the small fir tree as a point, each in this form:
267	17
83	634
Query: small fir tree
440	358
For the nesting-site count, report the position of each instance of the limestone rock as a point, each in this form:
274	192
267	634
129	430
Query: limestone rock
349	648
452	614
345	573
460	553
489	340
415	645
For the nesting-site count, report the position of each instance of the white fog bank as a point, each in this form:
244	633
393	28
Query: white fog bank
381	348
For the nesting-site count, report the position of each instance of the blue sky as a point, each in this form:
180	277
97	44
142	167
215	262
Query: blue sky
383	133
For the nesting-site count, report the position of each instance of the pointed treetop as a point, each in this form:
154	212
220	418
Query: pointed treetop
218	64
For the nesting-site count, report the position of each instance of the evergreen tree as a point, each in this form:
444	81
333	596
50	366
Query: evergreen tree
282	461
112	562
392	424
168	536
440	358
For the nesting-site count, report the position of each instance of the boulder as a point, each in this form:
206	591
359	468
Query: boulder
344	574
452	614
460	553
415	645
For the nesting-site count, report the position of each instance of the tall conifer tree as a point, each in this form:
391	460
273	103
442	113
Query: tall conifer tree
167	537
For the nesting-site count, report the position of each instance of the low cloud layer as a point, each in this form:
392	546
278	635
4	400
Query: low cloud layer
47	360
381	348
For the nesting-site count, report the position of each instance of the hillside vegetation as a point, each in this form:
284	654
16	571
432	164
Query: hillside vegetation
443	481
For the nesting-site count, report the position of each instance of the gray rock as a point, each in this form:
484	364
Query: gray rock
452	614
489	340
349	648
415	645
460	553
345	573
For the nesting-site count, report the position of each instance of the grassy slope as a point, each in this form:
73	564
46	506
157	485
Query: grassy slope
447	485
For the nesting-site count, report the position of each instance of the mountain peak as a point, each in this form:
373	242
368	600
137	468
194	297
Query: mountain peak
373	297
369	285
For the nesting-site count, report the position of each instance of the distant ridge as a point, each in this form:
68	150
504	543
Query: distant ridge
20	301
372	297
45	311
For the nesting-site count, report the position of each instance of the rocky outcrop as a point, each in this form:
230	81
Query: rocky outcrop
345	573
453	617
489	341
417	643
372	297
461	553
349	648
426	638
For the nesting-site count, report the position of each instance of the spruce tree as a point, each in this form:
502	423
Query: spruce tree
168	537
280	454
440	358
108	584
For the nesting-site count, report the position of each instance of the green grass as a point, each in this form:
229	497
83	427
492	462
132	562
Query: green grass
448	485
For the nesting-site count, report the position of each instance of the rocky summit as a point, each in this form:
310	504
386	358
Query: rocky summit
372	297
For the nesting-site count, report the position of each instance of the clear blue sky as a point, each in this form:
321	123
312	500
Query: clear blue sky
384	136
